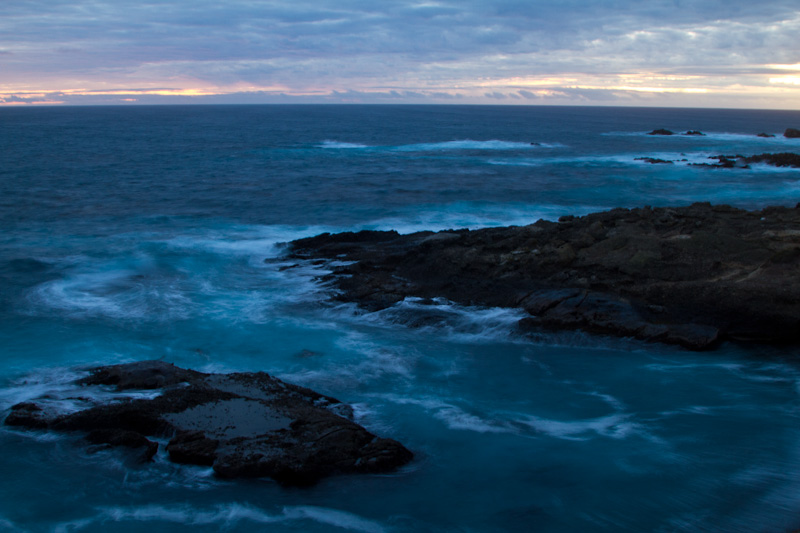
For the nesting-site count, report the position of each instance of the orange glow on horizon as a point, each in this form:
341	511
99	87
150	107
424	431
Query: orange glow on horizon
48	96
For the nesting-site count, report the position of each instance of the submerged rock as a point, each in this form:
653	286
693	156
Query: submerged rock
243	424
653	160
785	159
695	132
691	276
765	135
661	131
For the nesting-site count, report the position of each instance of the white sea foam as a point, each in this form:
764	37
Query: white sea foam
333	517
518	162
259	241
378	360
160	286
453	416
618	425
461	144
468	144
771	169
581	160
692	367
337	145
473	215
608	399
615	426
224	516
678	159
365	362
779	139
456	418
361	412
457	323
56	390
124	288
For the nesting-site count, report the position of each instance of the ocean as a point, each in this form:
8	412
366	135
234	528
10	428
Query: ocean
134	233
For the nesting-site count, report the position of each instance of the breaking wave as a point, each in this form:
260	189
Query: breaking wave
463	144
225	516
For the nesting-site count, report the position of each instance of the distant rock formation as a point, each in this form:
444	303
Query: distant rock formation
695	132
791	133
653	160
784	159
661	132
765	135
243	425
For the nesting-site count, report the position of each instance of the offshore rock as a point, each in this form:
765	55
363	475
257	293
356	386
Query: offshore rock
661	131
691	276
792	133
243	424
784	159
654	160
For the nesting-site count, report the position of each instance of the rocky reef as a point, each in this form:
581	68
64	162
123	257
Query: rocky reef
654	160
790	133
691	276
243	424
783	159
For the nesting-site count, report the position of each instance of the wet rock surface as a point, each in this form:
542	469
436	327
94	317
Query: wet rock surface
654	160
784	159
691	276
242	424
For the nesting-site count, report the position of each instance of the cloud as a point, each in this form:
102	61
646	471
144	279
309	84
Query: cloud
415	48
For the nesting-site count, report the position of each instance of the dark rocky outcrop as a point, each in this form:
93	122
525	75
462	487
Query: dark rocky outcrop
690	276
695	132
242	424
792	133
725	161
661	131
765	135
654	161
785	159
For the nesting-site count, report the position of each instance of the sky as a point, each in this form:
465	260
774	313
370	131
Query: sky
672	53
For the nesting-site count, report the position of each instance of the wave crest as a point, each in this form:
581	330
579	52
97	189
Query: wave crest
225	515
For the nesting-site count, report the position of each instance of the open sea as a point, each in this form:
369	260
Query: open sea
133	233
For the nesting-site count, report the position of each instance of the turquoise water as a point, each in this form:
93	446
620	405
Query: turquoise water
154	232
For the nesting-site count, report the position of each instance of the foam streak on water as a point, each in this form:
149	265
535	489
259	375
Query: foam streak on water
223	516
